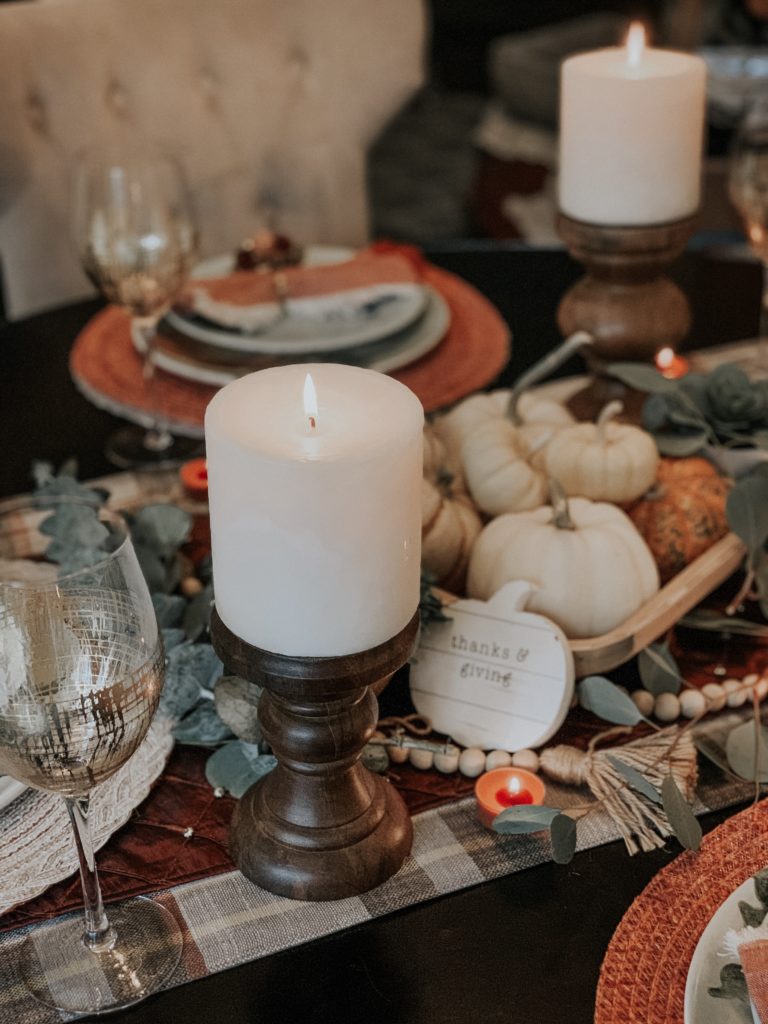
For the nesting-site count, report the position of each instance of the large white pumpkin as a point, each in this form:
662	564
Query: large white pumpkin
496	470
591	566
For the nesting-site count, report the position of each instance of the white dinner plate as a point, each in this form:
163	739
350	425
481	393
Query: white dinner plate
707	961
9	790
387	355
327	323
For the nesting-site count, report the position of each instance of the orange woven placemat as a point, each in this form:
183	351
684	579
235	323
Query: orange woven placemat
645	969
107	369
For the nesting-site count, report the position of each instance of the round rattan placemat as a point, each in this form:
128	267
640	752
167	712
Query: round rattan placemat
642	980
107	369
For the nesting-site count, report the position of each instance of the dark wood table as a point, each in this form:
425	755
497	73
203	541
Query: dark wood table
526	948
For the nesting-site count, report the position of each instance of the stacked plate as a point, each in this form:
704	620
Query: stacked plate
382	326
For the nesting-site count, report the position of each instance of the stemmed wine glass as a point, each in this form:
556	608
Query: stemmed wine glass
748	190
81	669
136	239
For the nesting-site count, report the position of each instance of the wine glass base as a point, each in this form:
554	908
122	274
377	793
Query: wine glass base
128	448
59	971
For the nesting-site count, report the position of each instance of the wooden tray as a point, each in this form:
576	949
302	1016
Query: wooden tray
598	654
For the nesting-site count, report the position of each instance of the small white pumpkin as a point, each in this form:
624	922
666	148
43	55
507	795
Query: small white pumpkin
450	526
439	467
497	473
590	565
604	461
454	427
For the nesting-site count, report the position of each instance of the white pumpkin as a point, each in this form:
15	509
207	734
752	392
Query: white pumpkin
604	461
439	467
590	565
454	427
450	526
498	476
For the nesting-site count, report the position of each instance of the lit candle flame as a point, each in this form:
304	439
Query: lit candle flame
310	402
514	786
635	44
664	358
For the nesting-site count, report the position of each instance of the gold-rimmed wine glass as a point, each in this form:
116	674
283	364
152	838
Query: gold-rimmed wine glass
81	670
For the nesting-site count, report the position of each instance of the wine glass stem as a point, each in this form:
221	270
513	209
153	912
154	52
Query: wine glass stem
98	934
157	438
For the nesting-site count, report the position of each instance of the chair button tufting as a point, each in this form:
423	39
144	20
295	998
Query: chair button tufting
37	112
117	98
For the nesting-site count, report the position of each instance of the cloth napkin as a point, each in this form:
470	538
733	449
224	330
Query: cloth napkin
751	947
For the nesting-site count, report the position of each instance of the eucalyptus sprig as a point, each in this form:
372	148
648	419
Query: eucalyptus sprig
723	407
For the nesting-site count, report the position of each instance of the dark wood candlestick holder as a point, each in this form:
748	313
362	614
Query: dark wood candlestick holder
624	301
320	826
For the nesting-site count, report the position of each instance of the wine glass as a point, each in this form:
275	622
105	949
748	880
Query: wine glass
136	239
81	670
748	190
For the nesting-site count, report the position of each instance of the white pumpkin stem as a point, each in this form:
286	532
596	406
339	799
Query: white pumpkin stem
544	367
561	514
609	412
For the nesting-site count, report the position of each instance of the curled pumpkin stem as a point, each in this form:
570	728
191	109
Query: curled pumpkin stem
609	413
543	368
561	515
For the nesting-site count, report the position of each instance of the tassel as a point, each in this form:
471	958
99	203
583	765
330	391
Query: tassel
643	825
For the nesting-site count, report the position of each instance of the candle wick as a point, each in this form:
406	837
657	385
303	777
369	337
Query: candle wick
312	423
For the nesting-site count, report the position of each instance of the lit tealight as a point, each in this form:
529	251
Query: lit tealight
506	787
670	364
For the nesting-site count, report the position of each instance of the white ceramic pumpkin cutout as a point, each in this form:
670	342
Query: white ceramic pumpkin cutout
494	676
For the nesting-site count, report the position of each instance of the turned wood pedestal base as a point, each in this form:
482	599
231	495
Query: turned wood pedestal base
320	826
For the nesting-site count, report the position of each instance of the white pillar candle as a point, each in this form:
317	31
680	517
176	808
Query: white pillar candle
631	134
315	508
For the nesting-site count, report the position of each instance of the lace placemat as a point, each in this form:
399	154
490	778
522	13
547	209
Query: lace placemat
36	845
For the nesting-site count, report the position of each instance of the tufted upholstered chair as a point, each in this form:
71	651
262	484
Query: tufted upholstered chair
270	104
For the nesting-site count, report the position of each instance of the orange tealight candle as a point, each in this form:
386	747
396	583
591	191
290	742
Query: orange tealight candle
506	787
194	478
670	364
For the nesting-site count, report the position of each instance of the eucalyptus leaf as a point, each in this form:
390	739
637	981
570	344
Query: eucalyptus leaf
73	557
752	916
169	609
746	748
600	696
205	569
163	528
714	753
658	670
746	509
75	524
562	833
709	620
733	984
236	766
197	616
680	446
172	638
152	567
761	886
202	727
642	377
188	672
515	821
686	828
237	703
637	781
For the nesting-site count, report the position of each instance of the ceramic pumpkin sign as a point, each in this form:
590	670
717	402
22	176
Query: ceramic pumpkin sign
683	514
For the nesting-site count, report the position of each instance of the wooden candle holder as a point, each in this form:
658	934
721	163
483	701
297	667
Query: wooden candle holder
320	826
624	301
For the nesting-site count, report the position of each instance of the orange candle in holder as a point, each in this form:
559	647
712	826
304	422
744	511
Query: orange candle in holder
670	364
506	787
194	478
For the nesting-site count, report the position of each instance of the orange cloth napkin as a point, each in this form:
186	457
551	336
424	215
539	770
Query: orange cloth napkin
369	267
754	960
